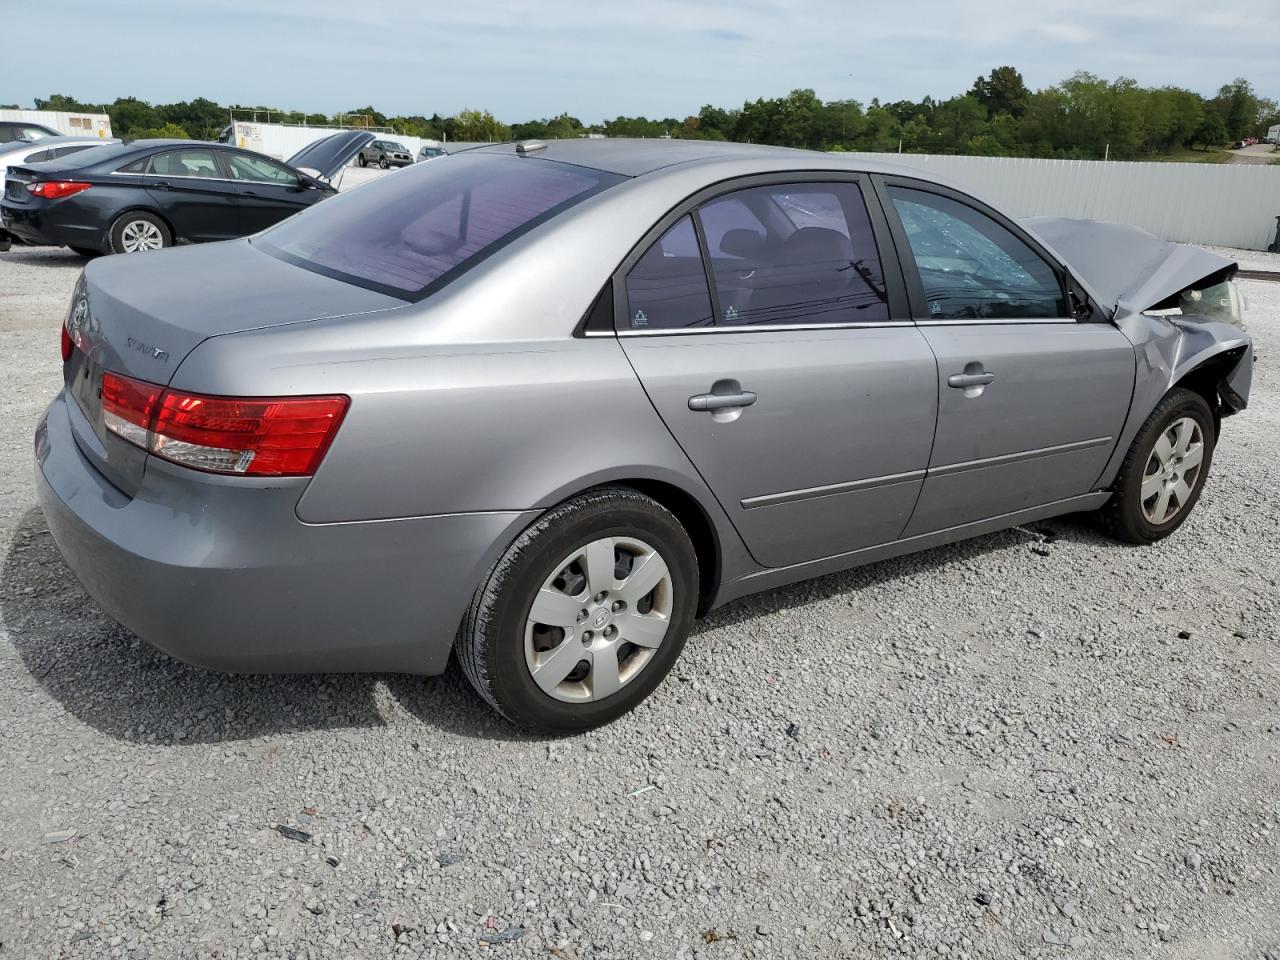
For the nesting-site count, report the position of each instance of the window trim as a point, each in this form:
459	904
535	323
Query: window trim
898	304
915	286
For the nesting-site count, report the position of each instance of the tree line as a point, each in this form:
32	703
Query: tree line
1083	117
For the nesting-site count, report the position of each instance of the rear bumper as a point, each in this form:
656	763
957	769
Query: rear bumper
52	224
222	574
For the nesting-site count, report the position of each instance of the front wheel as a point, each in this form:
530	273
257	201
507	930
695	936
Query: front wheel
383	163
584	614
1164	471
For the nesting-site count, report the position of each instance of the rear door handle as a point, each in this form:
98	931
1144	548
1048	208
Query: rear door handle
962	380
721	401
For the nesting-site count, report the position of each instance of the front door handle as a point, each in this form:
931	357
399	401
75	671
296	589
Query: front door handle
962	380
721	401
158	185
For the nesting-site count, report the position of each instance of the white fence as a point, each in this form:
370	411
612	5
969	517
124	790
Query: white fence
1232	205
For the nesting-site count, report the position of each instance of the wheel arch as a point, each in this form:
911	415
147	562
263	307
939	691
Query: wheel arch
1211	378
139	208
694	512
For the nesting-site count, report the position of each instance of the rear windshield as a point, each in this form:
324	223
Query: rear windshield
410	234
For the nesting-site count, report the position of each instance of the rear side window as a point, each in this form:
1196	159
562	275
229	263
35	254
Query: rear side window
667	288
794	254
186	163
408	234
971	267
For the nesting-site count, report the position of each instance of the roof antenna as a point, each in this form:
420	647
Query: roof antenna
527	147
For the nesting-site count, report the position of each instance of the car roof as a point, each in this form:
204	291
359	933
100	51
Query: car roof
636	157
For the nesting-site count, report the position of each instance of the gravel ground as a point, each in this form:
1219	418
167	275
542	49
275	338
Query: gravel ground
1034	744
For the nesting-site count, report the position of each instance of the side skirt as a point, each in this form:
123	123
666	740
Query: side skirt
781	576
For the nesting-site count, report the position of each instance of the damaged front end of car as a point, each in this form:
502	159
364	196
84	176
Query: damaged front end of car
1178	304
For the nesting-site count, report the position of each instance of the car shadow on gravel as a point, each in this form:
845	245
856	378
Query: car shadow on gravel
116	683
43	257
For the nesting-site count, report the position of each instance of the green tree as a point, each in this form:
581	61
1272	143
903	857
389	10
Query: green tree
168	131
1002	91
471	125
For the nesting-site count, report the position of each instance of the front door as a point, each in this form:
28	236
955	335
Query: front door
805	407
1031	399
269	191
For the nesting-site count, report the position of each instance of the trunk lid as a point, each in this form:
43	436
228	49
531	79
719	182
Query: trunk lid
1123	266
141	314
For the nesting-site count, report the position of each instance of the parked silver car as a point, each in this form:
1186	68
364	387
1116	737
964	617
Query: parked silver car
543	405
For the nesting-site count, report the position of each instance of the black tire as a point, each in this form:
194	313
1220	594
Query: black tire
363	161
1123	516
138	216
383	163
87	252
491	643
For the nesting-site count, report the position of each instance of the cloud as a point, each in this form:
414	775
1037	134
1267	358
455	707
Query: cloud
665	58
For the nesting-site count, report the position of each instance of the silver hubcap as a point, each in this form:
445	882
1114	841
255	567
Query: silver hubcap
598	619
139	235
1172	471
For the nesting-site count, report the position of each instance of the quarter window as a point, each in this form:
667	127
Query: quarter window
667	288
794	254
970	266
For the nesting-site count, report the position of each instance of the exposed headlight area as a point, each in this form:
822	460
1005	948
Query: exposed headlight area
263	436
1222	301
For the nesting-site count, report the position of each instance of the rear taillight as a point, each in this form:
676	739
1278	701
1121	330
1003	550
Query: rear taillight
249	436
67	345
57	189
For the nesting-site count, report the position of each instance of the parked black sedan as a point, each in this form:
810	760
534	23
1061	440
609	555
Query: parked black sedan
148	194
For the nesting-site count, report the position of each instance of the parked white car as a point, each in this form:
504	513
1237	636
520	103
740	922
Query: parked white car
21	152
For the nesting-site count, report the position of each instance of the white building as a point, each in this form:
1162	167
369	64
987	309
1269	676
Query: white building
69	124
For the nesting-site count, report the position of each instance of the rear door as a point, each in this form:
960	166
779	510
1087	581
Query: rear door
269	191
1031	397
794	381
193	192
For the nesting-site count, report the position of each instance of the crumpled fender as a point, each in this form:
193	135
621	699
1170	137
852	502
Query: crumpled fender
1168	351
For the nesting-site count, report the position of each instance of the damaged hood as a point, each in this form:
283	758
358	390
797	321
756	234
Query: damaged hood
1124	267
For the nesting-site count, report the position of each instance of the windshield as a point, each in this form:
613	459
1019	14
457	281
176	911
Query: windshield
392	145
410	234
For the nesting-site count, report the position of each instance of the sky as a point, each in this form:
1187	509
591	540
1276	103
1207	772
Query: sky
598	60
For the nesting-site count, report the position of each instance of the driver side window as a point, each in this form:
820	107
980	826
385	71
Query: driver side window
259	170
971	267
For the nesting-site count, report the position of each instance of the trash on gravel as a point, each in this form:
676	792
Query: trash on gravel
332	861
60	836
448	859
793	731
292	833
508	935
645	789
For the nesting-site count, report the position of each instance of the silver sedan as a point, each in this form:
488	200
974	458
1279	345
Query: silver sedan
542	405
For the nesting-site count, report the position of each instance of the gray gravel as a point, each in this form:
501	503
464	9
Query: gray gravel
1034	744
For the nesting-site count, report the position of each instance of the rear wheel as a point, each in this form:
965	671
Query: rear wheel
585	613
137	232
363	161
1164	471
